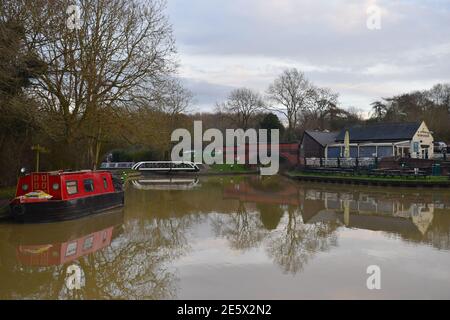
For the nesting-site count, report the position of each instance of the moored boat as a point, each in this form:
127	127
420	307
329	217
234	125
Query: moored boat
64	195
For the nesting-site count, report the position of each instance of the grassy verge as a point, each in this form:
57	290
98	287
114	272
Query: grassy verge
230	168
408	180
7	192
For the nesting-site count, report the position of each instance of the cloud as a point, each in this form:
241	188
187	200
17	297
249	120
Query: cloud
225	44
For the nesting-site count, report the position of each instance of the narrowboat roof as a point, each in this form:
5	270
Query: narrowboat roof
61	172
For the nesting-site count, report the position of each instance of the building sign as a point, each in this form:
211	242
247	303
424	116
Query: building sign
423	134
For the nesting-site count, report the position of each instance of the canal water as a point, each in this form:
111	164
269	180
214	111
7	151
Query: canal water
240	237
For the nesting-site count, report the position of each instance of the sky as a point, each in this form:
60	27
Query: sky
362	49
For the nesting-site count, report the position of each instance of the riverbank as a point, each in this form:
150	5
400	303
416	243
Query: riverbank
6	194
415	182
205	170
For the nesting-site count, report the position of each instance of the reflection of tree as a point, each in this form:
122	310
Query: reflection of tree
134	266
292	246
242	229
266	184
438	233
270	215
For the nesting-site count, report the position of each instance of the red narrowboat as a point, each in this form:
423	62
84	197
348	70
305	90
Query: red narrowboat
65	195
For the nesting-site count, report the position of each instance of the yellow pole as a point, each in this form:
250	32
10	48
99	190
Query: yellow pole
38	150
37	159
347	145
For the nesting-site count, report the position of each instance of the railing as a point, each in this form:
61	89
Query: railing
165	166
340	162
116	165
441	156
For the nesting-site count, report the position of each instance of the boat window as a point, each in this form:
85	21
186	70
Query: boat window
72	187
105	183
88	243
88	185
71	249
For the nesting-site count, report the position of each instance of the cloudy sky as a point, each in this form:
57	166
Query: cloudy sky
225	44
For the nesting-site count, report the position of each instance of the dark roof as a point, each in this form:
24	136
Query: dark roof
323	137
381	132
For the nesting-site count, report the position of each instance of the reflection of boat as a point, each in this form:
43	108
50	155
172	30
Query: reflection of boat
165	184
56	244
59	195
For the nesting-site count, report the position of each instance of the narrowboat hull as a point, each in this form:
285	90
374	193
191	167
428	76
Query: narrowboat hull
60	210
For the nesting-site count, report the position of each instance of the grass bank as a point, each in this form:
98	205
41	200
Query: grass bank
432	181
7	192
230	168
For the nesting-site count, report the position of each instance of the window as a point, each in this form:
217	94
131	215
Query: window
72	187
71	249
88	243
105	183
367	151
334	152
384	151
88	185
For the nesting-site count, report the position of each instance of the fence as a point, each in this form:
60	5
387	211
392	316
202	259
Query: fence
116	165
340	162
441	156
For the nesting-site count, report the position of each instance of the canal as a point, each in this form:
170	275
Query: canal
240	237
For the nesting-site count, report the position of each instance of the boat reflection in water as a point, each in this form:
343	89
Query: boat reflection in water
239	237
63	243
165	183
45	249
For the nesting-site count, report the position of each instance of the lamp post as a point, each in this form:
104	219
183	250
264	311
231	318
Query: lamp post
38	148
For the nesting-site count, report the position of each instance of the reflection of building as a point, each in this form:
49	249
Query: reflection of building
269	198
367	212
283	194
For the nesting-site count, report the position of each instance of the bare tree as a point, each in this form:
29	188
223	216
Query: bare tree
291	93
242	104
121	48
324	99
174	99
440	95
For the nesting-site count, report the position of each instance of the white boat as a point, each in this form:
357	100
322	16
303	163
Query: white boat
166	166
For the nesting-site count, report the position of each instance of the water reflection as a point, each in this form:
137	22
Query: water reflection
417	216
34	257
291	242
169	225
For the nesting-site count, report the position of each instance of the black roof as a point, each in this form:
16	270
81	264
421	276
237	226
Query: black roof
322	137
381	132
